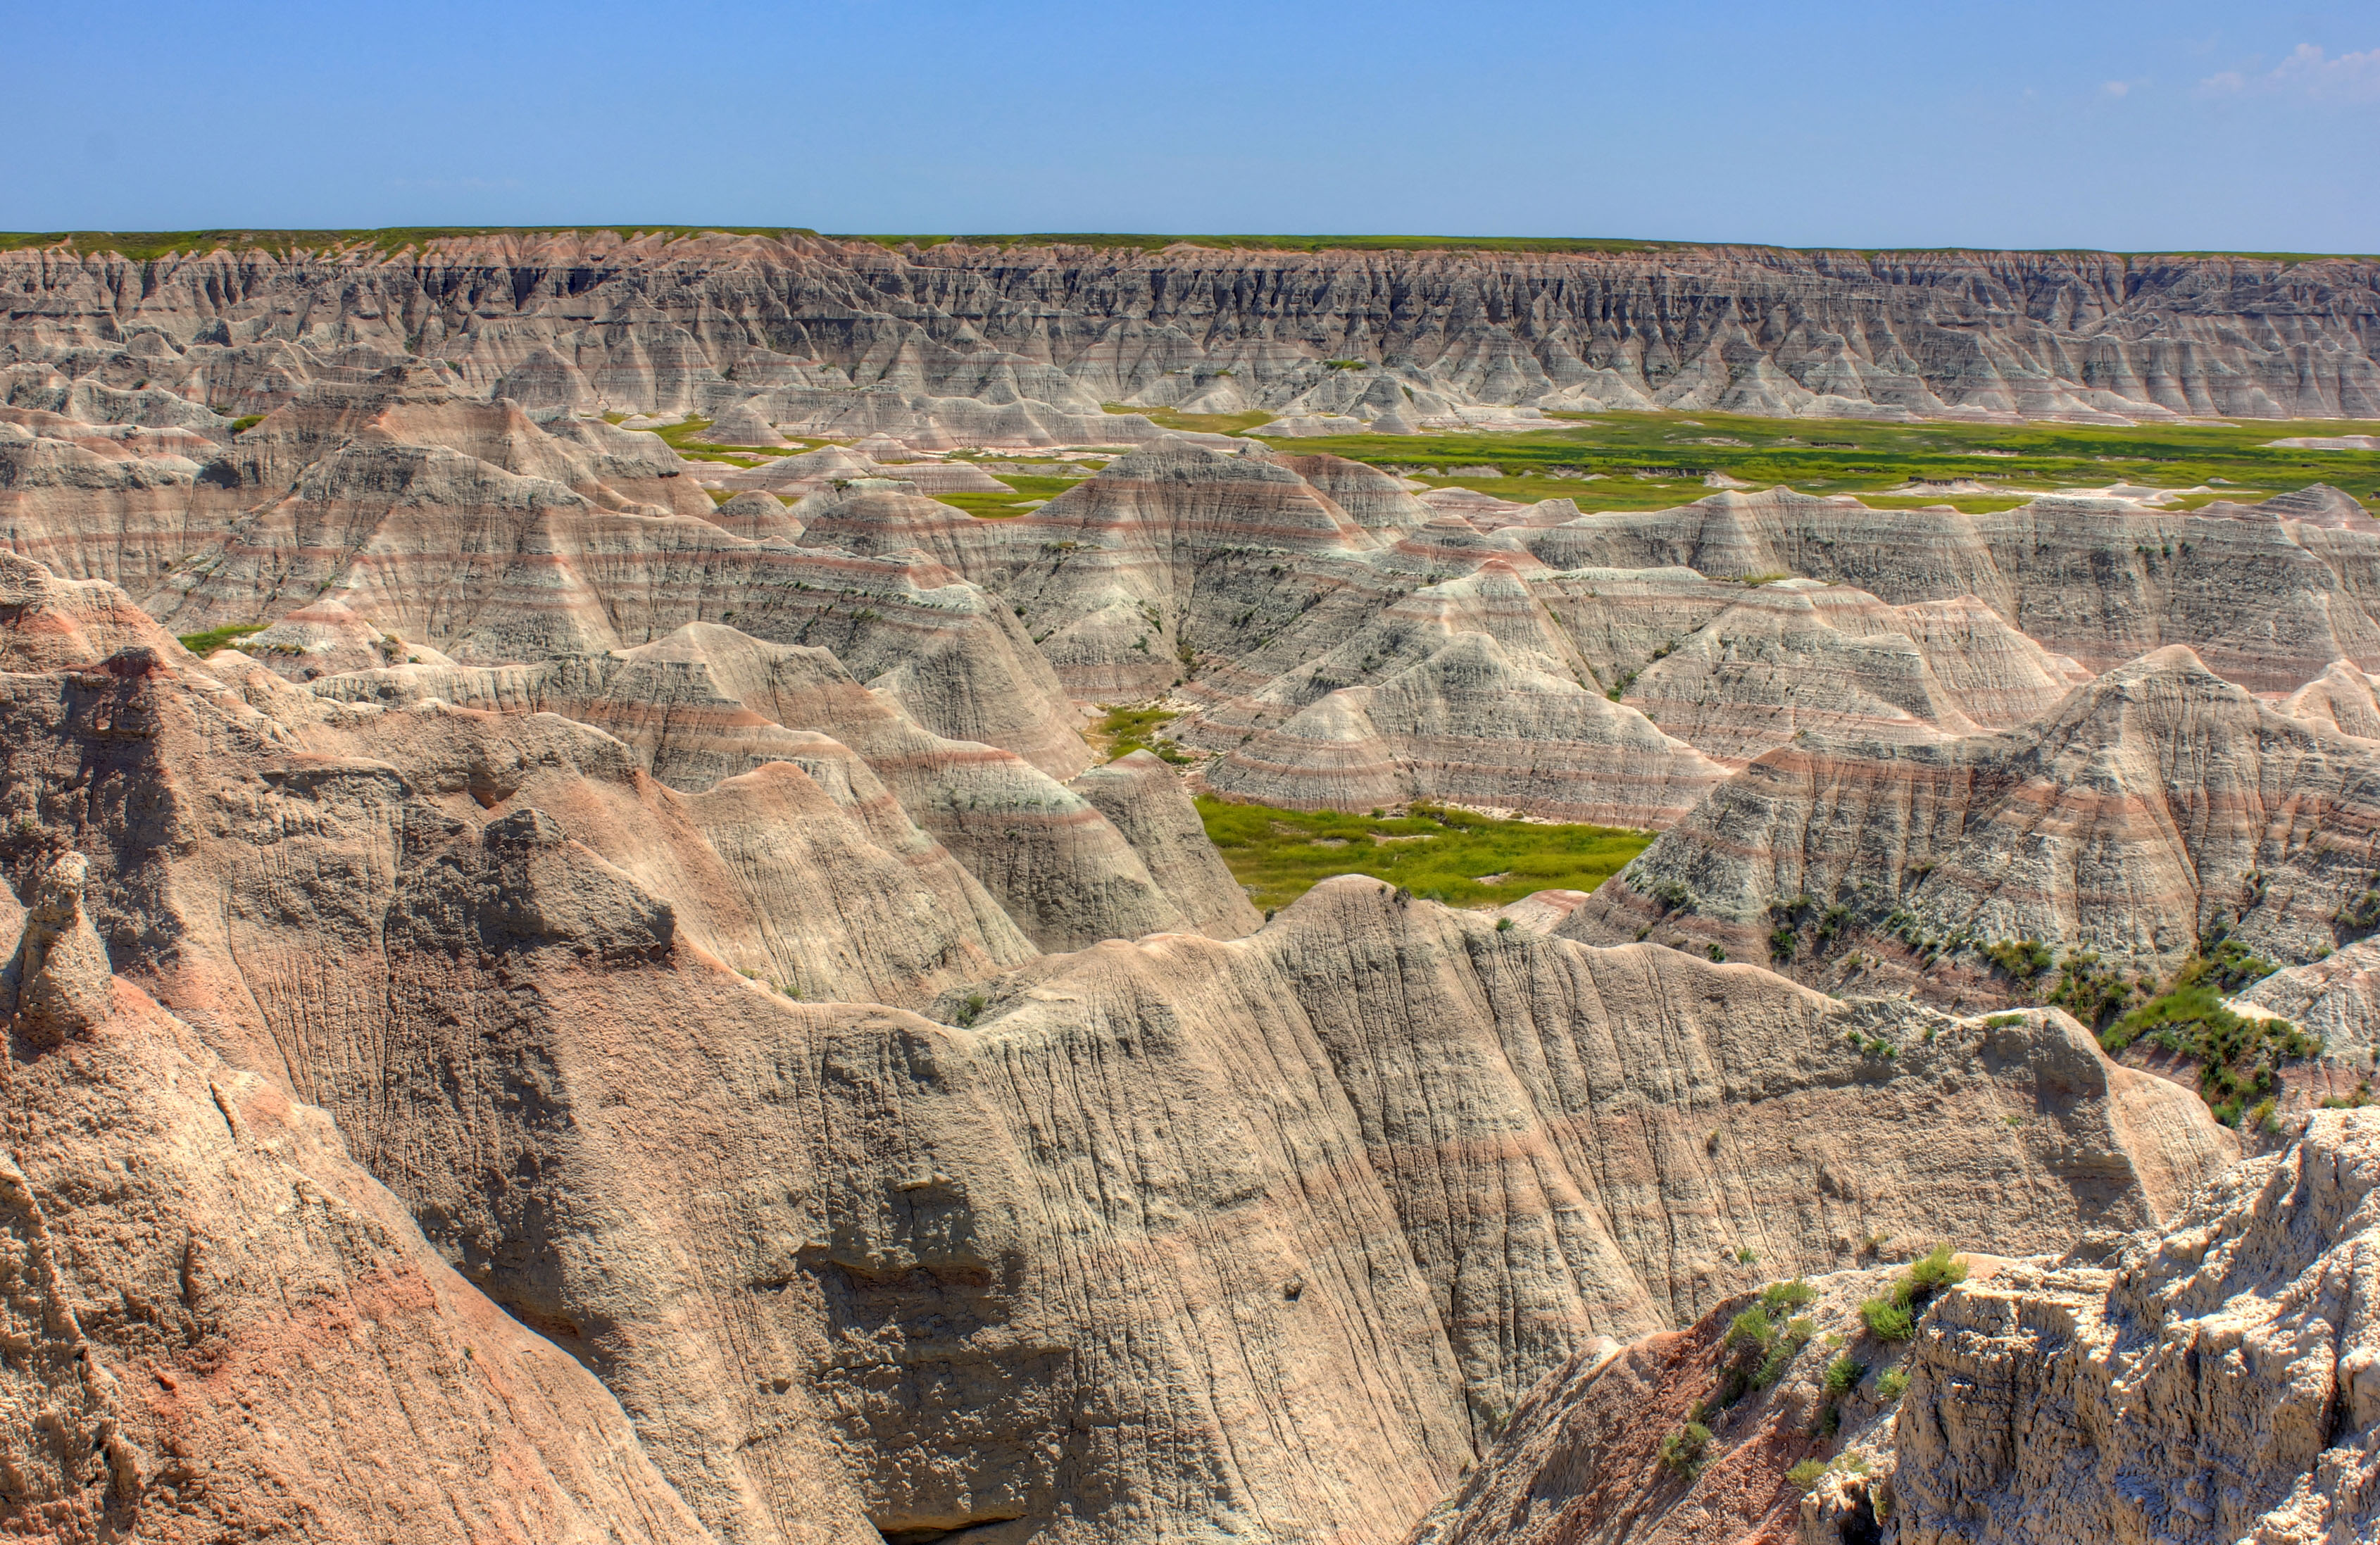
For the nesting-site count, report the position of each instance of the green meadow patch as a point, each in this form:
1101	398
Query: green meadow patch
1199	423
1437	853
1026	491
1127	729
687	437
213	638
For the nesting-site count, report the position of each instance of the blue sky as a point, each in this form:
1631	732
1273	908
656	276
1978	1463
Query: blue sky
2092	123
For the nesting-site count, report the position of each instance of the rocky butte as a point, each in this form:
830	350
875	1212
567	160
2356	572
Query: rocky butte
557	989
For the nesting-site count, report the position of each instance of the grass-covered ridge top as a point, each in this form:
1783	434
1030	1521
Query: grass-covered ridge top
148	245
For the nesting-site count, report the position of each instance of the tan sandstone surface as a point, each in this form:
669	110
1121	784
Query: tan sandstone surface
219	1328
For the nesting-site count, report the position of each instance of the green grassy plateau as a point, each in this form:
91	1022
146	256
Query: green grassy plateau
1438	854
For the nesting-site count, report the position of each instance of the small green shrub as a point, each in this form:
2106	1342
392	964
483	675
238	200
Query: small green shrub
2023	958
1787	1294
1782	943
246	421
2228	964
1762	1349
1790	1342
1887	1321
1753	1328
2360	916
1930	1273
1747	1256
1806	1475
2089	990
1683	1451
2238	1059
1893	1316
1843	1376
1503	925
1718	953
1891	1383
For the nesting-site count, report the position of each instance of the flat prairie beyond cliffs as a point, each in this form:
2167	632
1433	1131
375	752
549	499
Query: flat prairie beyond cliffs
755	889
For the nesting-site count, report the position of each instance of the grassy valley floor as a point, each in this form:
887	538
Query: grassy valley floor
1625	461
1439	854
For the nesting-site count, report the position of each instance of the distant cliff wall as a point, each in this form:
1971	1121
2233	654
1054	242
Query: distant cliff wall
587	319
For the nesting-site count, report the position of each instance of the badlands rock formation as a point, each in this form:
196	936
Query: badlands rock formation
2209	1381
2268	594
1330	638
219	1328
1029	342
629	963
1182	1236
1799	657
2151	806
1471	726
2336	997
709	703
2343	698
1581	1456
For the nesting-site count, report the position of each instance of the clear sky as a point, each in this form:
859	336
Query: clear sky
2121	124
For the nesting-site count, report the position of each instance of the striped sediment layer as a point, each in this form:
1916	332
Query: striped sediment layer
1026	340
1797	657
1467	725
709	703
2267	594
